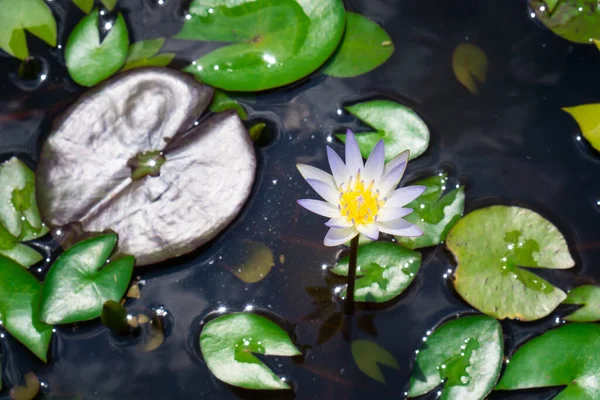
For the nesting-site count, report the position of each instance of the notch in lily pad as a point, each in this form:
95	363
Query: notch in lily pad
588	296
464	354
229	342
470	65
368	357
83	279
491	245
146	54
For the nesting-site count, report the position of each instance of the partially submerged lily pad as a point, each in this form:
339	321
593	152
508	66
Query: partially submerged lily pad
568	356
384	271
85	183
589	297
575	20
20	295
274	42
399	127
434	214
490	246
588	119
369	355
465	354
222	102
470	65
228	345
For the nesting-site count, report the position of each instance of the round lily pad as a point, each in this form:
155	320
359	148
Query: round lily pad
568	356
124	159
465	354
575	20
228	345
274	42
490	246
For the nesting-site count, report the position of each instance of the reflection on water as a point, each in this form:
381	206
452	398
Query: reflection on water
511	144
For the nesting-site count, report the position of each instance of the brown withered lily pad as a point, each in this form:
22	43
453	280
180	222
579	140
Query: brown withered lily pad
127	157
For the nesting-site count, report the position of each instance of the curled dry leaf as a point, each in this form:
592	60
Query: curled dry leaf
123	158
470	65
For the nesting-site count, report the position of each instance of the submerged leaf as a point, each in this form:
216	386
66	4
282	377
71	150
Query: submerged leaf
568	356
16	16
145	54
588	119
19	307
399	127
228	345
589	297
83	279
156	334
27	392
491	244
470	66
89	61
384	271
256	262
221	102
465	354
575	20
85	183
368	355
365	46
274	42
434	214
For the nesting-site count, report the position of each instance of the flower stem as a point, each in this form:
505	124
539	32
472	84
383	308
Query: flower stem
349	304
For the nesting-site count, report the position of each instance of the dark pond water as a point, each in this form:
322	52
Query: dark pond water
511	144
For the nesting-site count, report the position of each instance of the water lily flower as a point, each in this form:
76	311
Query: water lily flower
361	198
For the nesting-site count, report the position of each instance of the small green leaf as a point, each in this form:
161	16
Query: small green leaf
82	279
84	5
256	131
221	102
399	127
384	270
588	119
273	42
365	46
470	65
434	214
568	356
19	308
574	20
589	297
491	244
368	355
465	354
16	16
89	61
114	317
145	54
228	345
109	4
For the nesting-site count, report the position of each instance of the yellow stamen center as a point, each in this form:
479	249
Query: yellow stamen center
358	203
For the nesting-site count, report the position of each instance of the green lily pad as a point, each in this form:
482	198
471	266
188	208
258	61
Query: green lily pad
470	65
221	102
275	42
145	54
82	279
16	16
228	345
87	5
365	46
589	297
19	308
575	20
19	216
490	244
368	355
567	356
89	61
588	119
434	214
399	127
551	4
465	354
384	270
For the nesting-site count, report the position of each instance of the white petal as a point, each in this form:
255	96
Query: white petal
390	180
310	172
405	195
399	227
339	222
337	236
399	159
326	191
338	168
375	163
391	213
320	207
369	230
354	161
